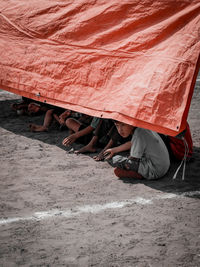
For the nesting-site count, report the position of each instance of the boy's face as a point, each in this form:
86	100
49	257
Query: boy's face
124	129
33	108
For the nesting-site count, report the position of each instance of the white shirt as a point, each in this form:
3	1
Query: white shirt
150	148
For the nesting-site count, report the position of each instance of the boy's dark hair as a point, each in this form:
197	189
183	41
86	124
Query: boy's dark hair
115	121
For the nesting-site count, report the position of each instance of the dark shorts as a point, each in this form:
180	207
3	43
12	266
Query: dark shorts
102	131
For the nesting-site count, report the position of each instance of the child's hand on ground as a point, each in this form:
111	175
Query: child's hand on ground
69	140
99	157
109	153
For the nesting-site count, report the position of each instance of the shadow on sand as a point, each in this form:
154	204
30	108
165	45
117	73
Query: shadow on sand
10	121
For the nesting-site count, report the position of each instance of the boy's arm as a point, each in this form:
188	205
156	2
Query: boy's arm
101	156
83	132
65	114
61	119
109	145
112	151
72	138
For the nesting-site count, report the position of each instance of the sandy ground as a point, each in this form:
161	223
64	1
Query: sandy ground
60	209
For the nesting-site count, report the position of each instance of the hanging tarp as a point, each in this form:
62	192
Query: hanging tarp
133	61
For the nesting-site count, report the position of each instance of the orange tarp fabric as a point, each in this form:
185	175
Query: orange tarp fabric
133	61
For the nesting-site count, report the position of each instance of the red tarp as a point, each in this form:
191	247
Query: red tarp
134	61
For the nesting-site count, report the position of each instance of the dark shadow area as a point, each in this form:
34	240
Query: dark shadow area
18	125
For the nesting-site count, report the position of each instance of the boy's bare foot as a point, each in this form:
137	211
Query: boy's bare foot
85	149
37	128
99	157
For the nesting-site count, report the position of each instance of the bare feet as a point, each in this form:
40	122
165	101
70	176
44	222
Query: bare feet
85	149
37	128
99	157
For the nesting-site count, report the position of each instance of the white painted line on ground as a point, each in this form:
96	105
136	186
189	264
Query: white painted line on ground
37	216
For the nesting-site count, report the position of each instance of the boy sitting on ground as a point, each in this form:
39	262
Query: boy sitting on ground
57	114
115	139
149	157
100	136
80	130
28	107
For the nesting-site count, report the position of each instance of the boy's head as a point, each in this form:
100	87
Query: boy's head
124	129
33	108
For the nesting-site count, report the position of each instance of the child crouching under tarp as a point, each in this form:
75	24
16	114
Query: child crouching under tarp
29	107
149	157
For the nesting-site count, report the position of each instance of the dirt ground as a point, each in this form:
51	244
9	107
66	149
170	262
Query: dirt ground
60	209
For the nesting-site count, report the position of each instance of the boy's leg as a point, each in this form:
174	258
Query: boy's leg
98	128
73	125
48	118
89	147
125	167
121	173
56	117
47	122
118	161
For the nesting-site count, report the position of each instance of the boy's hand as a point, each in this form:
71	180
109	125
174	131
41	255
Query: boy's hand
99	157
109	153
69	140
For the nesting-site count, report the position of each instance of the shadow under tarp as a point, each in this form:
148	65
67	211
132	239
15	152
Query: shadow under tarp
18	125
